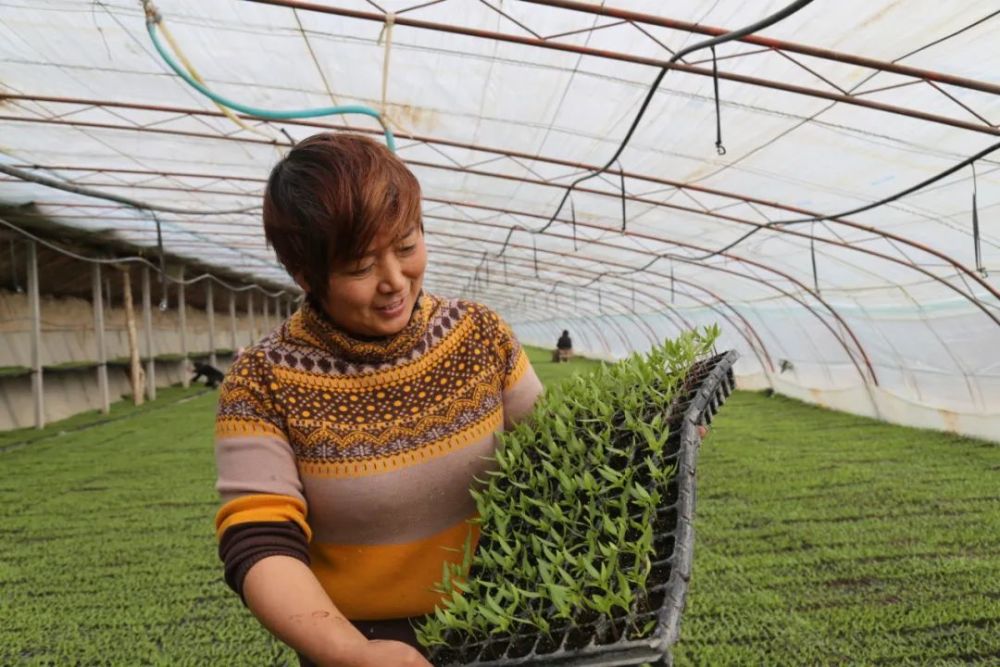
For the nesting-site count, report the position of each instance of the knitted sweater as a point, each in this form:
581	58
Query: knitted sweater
357	456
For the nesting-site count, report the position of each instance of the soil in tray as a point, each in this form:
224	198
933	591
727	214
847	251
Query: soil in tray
550	643
579	636
521	646
445	656
495	648
673	493
665	522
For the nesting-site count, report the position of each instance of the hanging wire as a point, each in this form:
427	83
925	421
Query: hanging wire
13	269
816	218
719	148
976	243
860	209
163	263
673	292
621	173
782	14
812	251
572	212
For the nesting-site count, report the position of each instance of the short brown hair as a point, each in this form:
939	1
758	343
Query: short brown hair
329	198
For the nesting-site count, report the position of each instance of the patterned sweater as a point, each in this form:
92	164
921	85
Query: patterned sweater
357	456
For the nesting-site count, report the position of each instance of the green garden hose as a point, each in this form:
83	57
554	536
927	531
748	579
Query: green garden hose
153	17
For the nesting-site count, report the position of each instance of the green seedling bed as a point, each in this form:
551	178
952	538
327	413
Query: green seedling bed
600	643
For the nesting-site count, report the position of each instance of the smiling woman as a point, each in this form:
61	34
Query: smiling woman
348	439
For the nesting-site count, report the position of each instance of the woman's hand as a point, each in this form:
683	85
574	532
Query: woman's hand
384	653
285	596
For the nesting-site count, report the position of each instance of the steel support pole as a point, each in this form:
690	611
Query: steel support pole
233	344
253	318
102	353
182	317
147	324
35	304
210	311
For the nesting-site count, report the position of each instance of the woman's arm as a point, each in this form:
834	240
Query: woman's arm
284	595
519	399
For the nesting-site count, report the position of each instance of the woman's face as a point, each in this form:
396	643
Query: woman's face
375	294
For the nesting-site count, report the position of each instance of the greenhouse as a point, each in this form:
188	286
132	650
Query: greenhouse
723	273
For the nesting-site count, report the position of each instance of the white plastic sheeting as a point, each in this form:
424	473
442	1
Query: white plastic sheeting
498	106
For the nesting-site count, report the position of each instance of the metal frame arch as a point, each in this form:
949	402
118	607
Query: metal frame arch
964	270
650	334
755	279
536	291
660	304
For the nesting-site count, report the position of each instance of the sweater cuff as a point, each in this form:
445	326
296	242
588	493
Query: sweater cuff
245	544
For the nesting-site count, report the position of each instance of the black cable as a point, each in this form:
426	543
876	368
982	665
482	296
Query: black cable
860	209
13	269
719	148
572	214
976	245
787	11
812	252
163	262
818	218
708	43
621	172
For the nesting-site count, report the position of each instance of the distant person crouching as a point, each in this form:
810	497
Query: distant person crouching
213	376
564	348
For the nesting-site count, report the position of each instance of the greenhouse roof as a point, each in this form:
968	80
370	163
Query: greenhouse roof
766	182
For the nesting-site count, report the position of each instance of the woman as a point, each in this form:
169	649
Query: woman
348	438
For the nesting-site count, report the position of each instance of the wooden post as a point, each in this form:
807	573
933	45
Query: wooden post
267	314
135	373
210	310
234	344
34	299
147	324
182	317
102	353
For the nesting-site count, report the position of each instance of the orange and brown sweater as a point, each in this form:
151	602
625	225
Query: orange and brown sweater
357	456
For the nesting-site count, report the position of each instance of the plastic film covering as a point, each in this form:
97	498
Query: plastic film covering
498	107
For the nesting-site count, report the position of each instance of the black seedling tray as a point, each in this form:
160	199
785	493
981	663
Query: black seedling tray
600	643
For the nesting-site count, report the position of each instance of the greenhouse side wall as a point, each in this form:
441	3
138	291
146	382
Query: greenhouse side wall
880	403
68	352
893	400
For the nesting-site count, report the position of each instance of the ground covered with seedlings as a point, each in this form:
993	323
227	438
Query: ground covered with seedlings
821	539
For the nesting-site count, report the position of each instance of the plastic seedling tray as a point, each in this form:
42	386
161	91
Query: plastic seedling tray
597	642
